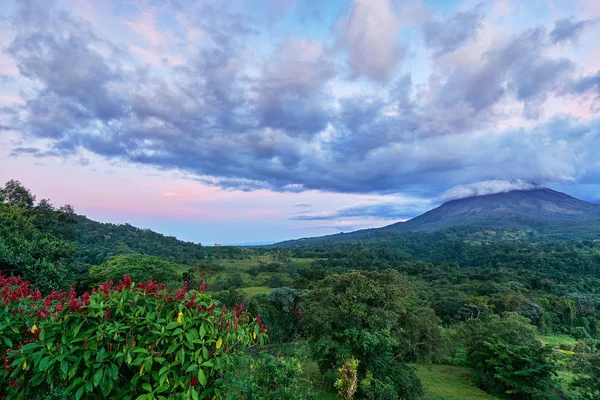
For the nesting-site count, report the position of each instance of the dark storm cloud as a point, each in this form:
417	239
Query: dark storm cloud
447	35
568	30
233	119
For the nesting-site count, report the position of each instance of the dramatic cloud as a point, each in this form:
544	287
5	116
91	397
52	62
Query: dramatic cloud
245	106
567	30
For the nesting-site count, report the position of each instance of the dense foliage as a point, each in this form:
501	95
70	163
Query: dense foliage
35	239
508	356
271	377
358	316
484	299
586	365
130	341
139	267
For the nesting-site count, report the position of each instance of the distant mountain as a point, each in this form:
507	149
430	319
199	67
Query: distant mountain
544	210
529	209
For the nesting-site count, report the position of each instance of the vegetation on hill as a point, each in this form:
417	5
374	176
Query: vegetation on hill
515	313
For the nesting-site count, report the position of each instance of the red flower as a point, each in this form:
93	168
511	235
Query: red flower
180	294
203	287
191	303
107	313
193	381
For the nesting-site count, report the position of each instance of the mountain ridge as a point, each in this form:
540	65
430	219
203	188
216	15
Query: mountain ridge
539	208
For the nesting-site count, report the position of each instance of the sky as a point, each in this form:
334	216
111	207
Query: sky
231	121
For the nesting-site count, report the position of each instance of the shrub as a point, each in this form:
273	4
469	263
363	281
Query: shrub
272	378
346	383
130	341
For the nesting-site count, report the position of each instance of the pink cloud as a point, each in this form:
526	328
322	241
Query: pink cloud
8	98
144	25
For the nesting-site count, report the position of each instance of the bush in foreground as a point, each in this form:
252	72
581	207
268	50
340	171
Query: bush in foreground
123	341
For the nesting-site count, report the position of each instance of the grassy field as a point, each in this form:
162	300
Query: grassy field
442	382
557	340
254	290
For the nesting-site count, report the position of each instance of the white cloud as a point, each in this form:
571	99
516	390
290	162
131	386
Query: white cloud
487	187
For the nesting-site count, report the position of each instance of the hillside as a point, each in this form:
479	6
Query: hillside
542	213
97	241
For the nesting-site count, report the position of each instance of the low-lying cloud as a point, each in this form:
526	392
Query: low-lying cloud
487	187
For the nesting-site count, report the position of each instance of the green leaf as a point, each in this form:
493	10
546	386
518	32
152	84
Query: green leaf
7	341
172	348
98	377
29	347
173	325
79	393
147	387
77	329
148	364
64	366
191	368
177	331
44	363
201	377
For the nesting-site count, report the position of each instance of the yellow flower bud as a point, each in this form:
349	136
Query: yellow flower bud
180	318
24	365
219	343
142	369
33	328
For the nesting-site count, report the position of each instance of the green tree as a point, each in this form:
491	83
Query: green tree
15	194
358	315
201	272
509	358
586	366
33	243
139	267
